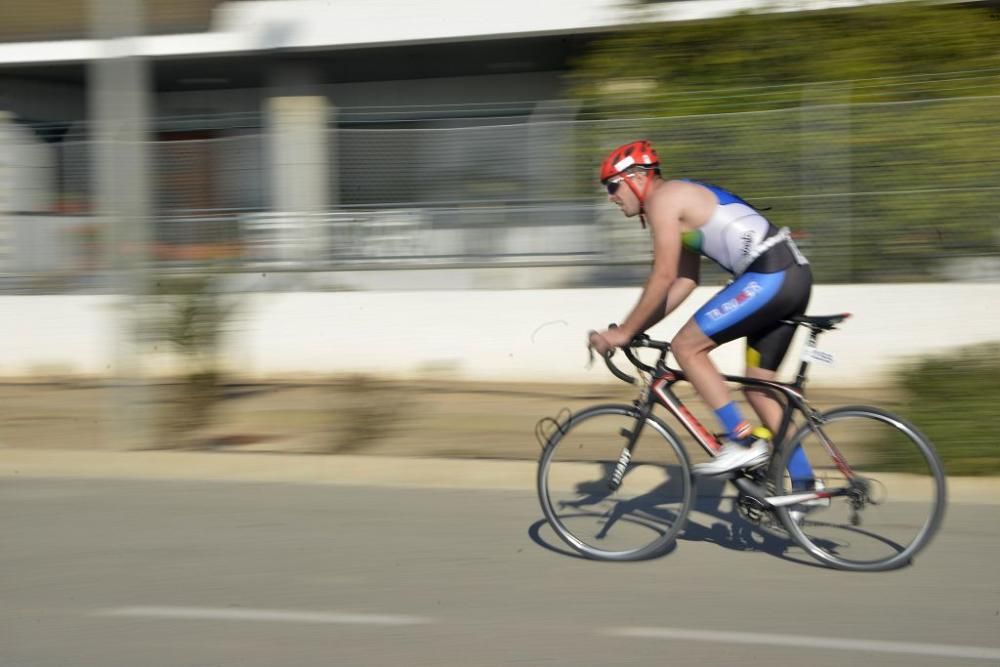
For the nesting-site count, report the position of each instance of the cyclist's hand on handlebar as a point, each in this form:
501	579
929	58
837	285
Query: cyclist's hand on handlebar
606	341
596	342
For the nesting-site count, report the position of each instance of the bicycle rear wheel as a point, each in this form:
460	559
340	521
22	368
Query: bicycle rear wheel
883	513
638	519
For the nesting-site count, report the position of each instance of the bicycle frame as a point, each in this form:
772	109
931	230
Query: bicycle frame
660	392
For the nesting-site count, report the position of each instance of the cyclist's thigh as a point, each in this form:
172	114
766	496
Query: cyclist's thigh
767	350
753	304
767	346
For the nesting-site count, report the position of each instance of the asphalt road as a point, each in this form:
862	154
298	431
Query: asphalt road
100	573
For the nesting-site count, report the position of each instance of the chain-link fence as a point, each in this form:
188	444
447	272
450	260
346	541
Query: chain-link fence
875	192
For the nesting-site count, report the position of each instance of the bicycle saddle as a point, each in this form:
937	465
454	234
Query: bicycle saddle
821	322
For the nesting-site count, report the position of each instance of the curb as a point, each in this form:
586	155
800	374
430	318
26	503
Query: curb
349	470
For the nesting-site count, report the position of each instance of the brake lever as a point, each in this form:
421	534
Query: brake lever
591	355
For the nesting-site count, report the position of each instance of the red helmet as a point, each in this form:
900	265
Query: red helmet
633	154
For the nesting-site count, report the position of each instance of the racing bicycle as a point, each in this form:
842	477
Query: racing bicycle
615	480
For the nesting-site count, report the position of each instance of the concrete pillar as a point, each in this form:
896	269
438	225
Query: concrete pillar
28	169
119	90
299	156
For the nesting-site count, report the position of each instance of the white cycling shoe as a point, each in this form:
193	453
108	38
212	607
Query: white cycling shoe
734	456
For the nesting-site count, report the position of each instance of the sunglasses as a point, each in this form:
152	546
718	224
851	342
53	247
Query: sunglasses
615	183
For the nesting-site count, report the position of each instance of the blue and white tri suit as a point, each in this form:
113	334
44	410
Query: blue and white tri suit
771	279
772	282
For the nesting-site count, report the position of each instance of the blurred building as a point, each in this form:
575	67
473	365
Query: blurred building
278	124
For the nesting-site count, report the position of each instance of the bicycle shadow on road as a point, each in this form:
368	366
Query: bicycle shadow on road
716	520
713	518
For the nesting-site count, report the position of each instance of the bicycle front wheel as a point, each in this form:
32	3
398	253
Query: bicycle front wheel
638	518
888	490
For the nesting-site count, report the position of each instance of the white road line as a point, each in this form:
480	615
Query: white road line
272	615
682	634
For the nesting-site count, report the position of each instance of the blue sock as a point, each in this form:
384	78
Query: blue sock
799	470
731	418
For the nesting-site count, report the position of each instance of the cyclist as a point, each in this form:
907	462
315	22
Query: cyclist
771	281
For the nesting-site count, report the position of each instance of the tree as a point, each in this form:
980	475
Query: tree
873	129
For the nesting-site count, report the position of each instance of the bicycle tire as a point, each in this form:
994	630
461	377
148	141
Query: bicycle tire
663	523
884	444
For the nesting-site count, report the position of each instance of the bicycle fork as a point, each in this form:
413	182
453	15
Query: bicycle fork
632	437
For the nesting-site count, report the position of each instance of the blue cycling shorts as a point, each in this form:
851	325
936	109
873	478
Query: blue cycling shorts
752	307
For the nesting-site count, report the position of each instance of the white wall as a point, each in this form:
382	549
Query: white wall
56	336
533	335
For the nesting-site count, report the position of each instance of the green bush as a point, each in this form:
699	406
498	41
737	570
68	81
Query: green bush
953	399
190	315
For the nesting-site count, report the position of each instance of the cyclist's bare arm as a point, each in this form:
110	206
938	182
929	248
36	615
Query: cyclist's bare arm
665	223
685	283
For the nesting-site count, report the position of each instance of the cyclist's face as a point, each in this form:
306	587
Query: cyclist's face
620	194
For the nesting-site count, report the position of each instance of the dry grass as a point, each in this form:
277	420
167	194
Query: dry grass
357	415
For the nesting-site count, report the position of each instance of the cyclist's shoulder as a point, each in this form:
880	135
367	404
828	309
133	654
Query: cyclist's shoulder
722	194
695	187
679	188
669	199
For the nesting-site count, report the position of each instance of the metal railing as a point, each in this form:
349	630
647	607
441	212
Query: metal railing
876	192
